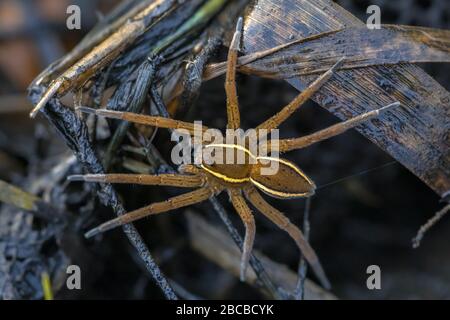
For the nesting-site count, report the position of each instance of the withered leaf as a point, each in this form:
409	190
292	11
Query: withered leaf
416	134
361	47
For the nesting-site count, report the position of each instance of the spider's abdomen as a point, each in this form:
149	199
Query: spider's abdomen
280	178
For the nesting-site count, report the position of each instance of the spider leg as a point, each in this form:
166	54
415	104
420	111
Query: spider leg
188	168
247	218
334	130
288	110
173	203
233	115
175	180
295	233
160	122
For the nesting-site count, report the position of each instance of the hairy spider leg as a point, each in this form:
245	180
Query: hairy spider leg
234	120
275	121
156	121
247	218
334	130
173	203
169	179
279	219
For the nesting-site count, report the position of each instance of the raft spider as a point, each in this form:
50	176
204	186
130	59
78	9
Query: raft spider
242	182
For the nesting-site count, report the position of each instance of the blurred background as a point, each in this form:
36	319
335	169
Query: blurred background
362	217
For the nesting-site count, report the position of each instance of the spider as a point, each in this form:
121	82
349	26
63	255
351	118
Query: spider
243	182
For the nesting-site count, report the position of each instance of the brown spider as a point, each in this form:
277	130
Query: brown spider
239	180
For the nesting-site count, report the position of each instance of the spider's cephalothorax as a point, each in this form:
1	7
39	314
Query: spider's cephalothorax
242	181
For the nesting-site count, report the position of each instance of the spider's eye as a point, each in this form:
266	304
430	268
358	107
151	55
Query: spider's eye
281	178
